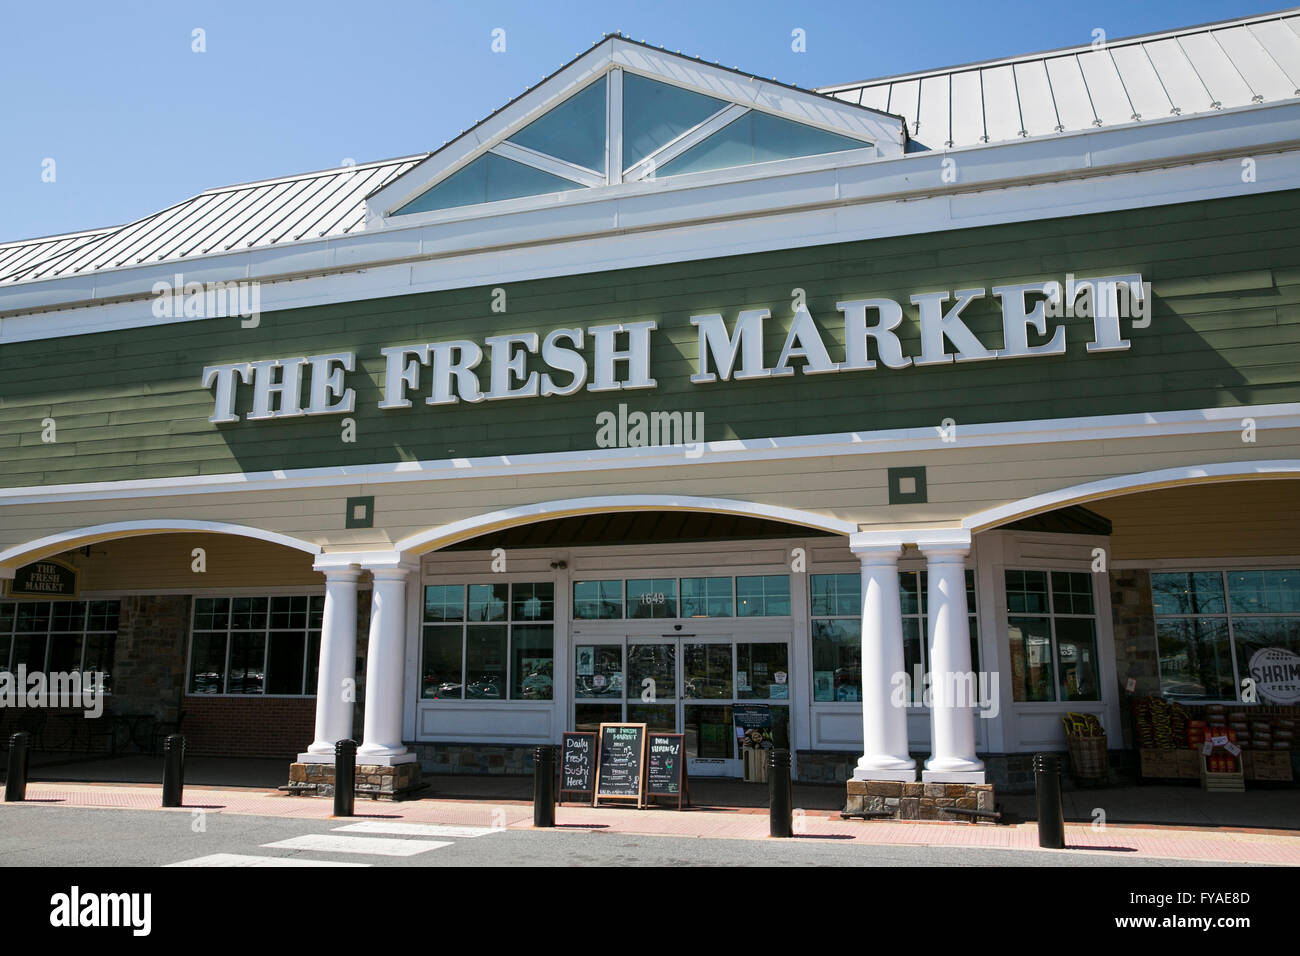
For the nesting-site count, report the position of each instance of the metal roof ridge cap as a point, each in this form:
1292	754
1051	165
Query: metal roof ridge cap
329	171
1059	51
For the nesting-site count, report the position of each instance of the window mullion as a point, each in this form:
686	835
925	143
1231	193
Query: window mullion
578	175
697	134
225	676
614	127
1232	637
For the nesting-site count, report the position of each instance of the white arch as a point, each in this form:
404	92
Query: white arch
444	535
66	540
1127	484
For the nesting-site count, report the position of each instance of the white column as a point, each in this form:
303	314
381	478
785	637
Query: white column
954	687
385	665
884	712
336	678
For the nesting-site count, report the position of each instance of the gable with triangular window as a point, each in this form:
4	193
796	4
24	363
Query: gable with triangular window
623	113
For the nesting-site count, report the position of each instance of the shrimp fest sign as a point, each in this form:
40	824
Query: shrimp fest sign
613	357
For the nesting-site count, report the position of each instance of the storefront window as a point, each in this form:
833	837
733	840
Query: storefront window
652	597
513	657
442	650
706	671
533	602
488	602
598	670
597	600
763	671
485	662
707	597
533	665
1210	624
444	603
835	595
837	659
255	645
1052	633
765	596
59	637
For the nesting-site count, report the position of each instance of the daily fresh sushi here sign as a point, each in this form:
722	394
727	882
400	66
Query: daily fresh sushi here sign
615	357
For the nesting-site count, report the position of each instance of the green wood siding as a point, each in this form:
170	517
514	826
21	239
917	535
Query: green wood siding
1225	331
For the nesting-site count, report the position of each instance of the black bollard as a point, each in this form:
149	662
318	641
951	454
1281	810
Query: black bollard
173	770
345	777
778	793
544	787
16	781
1047	788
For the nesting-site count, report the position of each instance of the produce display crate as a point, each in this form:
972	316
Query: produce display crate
1159	764
1088	758
1189	764
1268	765
1234	781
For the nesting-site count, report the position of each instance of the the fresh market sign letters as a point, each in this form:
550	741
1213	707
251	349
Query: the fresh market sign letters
724	354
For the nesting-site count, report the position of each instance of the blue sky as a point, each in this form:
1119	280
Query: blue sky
136	121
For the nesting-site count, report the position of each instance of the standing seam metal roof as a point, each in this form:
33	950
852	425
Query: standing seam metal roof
1181	72
315	205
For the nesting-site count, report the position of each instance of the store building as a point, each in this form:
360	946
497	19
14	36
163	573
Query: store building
672	394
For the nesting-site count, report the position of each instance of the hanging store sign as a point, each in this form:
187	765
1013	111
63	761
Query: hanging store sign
44	579
616	357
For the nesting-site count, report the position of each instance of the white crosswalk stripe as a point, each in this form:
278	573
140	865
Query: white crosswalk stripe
414	840
415	829
239	859
376	846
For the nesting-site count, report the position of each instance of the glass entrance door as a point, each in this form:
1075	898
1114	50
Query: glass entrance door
721	693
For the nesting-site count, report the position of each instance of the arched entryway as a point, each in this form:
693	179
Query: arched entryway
211	628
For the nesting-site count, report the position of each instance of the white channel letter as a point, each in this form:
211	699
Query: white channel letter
563	360
856	333
746	341
811	348
224	375
937	324
1016	321
510	364
637	356
399	374
457	360
286	392
1106	333
327	383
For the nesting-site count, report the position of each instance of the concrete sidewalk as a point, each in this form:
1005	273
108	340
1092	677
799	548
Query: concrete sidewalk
1159	805
1198	844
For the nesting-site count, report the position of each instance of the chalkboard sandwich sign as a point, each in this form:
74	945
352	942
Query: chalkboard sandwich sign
578	764
666	769
620	763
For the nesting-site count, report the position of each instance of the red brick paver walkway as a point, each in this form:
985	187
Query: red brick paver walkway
1214	845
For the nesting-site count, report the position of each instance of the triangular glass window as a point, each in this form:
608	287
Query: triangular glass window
758	137
490	178
573	131
654	114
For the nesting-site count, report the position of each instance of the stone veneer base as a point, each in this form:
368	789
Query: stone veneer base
400	782
918	801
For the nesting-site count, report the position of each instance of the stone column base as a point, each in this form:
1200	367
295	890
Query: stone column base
401	782
898	800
